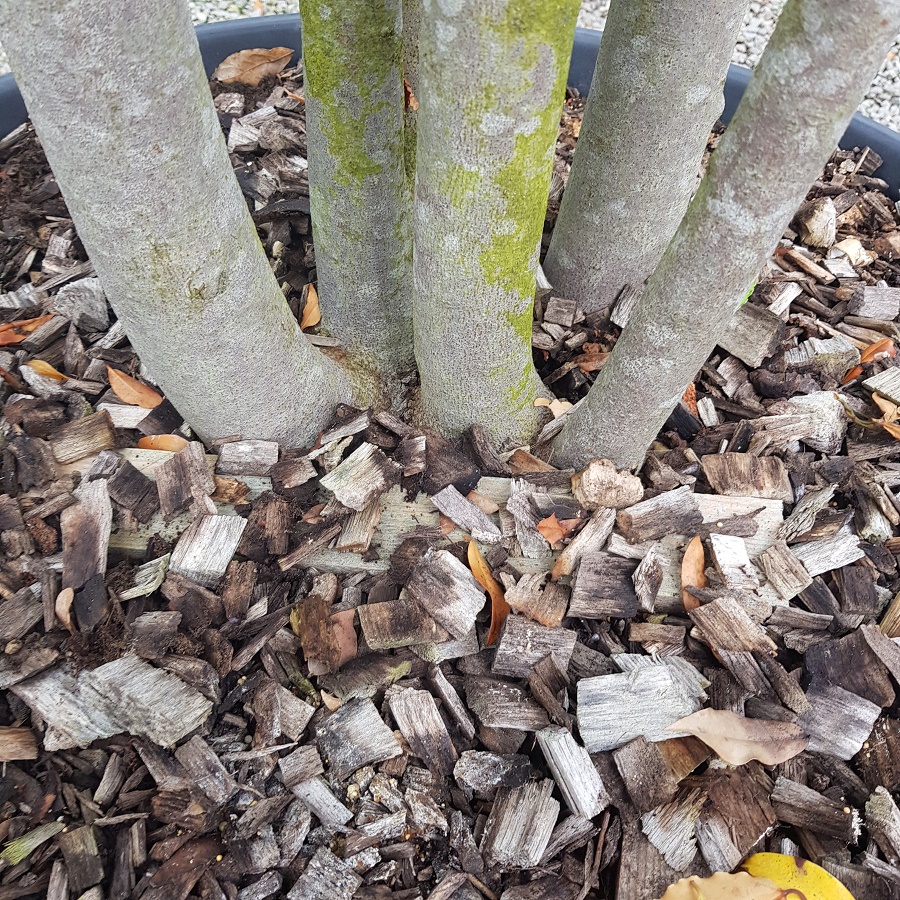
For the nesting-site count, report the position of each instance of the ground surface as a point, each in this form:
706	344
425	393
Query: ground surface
882	102
259	673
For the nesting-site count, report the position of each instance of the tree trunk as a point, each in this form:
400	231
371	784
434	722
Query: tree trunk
359	192
120	101
815	70
492	79
656	93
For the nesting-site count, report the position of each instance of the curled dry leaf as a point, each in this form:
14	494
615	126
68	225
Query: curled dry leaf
171	443
45	369
312	315
130	390
693	574
882	348
737	739
63	608
722	886
330	702
250	67
796	877
499	607
852	374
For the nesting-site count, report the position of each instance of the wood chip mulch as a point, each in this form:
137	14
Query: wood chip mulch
245	672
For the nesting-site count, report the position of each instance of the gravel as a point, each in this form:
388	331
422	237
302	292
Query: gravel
882	103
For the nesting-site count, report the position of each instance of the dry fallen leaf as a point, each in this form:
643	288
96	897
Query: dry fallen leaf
722	886
171	443
63	608
556	406
551	530
250	67
45	369
884	347
130	390
485	504
330	702
16	332
409	97
312	315
852	374
690	399
737	739
499	607
693	565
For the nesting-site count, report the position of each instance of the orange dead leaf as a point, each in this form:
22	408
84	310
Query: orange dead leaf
45	369
884	346
130	390
171	443
16	332
853	374
692	572
499	607
409	98
250	67
63	608
551	530
591	360
11	380
311	312
690	399
313	515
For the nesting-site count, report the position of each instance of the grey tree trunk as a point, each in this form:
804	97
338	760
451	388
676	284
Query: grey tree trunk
656	93
120	101
815	70
359	192
492	80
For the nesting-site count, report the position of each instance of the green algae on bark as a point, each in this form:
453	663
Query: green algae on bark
492	82
167	228
359	189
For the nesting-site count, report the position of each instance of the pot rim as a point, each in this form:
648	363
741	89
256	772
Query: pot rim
220	39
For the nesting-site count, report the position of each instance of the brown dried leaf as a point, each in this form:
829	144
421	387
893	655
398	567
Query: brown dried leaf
45	369
551	529
499	607
63	608
250	67
312	315
737	739
890	411
171	443
130	390
16	332
722	886
693	565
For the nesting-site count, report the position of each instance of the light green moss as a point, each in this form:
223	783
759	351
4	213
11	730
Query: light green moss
348	86
458	184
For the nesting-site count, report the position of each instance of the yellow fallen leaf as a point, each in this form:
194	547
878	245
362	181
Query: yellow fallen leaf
130	390
722	886
693	574
250	67
45	369
312	315
172	443
796	877
499	607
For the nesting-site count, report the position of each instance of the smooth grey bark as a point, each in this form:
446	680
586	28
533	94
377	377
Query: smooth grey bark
492	81
358	187
120	101
656	93
816	68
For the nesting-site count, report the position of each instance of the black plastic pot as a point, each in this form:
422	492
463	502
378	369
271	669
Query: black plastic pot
221	39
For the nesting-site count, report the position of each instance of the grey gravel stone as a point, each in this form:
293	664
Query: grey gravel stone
882	103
